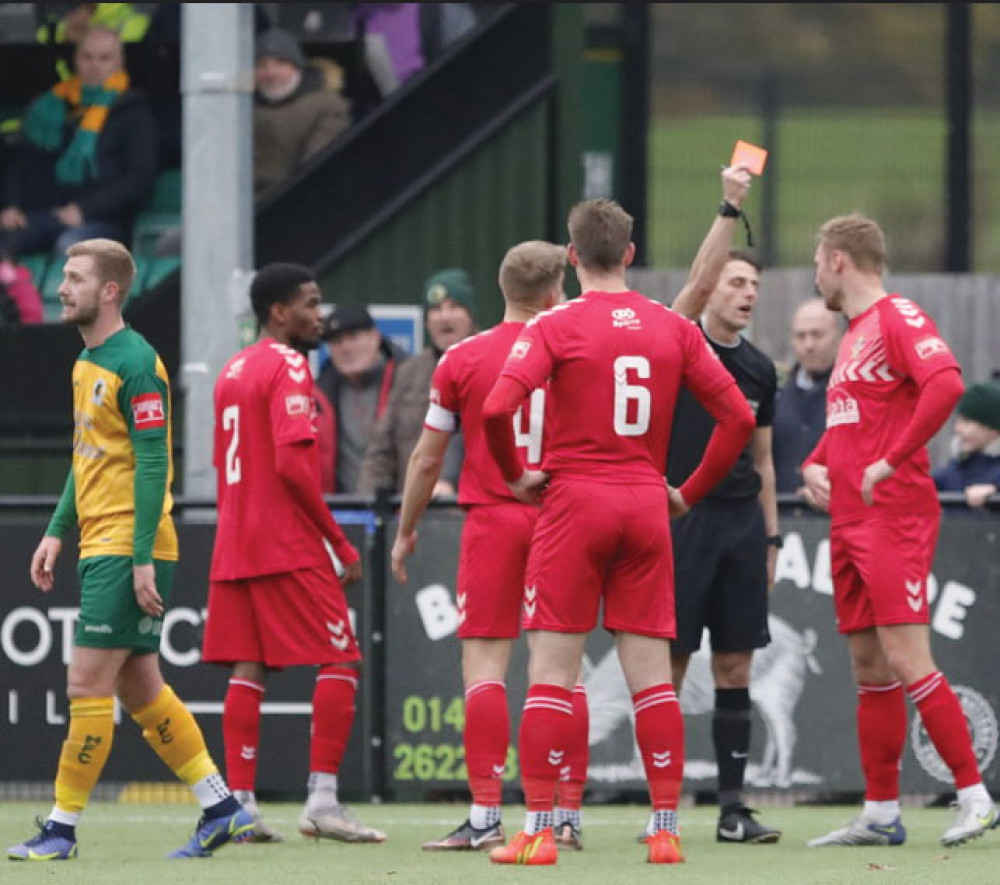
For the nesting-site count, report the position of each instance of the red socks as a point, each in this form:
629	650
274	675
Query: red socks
241	732
573	777
333	715
881	737
545	735
486	737
945	722
659	731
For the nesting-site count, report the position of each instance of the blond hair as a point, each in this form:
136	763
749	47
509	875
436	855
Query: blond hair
859	237
112	262
531	269
600	231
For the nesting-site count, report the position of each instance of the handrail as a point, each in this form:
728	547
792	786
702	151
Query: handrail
390	503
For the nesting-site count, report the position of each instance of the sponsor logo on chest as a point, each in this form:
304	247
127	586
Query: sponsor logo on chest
842	410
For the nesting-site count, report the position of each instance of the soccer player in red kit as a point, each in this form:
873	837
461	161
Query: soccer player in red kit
495	540
275	600
615	362
894	384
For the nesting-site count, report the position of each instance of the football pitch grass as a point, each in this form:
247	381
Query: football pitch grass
127	844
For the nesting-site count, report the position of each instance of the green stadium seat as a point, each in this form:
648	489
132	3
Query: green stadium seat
37	263
142	266
147	229
160	269
166	195
49	287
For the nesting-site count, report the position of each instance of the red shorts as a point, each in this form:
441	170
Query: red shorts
491	562
880	569
597	540
284	620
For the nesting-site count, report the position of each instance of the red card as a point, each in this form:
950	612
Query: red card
749	155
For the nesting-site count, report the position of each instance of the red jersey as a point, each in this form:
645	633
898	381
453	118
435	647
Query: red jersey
462	381
616	362
887	354
263	399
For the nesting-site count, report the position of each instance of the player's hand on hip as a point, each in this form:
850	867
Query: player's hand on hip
144	583
404	545
873	475
817	486
43	561
677	505
530	487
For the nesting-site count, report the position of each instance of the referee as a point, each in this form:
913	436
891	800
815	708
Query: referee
725	548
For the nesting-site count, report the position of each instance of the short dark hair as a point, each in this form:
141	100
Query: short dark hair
276	284
747	256
600	231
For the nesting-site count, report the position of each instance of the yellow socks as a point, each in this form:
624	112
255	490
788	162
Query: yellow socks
171	730
84	752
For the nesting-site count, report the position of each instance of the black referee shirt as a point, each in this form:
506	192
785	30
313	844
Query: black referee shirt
757	380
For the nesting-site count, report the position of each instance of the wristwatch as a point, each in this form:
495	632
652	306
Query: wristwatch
728	210
774	541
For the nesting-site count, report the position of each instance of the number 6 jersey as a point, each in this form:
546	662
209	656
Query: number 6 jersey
615	363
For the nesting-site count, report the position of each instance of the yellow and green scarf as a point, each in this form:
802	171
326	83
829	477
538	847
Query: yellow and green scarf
45	122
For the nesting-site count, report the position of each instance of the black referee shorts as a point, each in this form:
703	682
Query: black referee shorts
720	576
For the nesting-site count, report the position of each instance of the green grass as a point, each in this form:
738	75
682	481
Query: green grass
126	844
889	163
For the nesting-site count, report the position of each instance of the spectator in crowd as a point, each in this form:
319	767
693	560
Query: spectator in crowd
87	157
391	32
295	115
975	468
450	307
352	391
800	411
20	301
129	23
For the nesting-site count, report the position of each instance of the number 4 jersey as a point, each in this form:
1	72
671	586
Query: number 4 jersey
263	399
462	381
615	364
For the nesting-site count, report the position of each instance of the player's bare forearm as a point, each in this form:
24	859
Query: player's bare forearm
422	474
711	256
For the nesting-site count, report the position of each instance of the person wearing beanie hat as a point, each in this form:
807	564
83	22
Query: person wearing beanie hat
295	115
975	466
352	391
449	307
280	45
449	299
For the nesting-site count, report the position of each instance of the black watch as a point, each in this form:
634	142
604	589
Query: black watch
728	210
774	541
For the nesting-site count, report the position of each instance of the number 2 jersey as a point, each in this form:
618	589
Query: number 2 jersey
462	381
615	363
886	355
263	399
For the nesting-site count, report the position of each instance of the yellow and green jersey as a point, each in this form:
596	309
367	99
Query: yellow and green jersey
119	485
